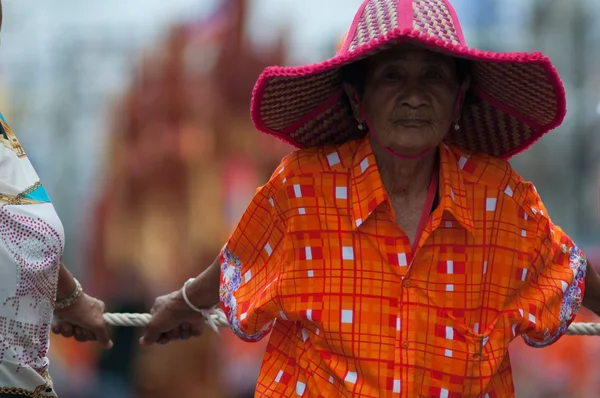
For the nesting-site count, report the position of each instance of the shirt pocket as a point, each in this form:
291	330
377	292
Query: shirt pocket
485	352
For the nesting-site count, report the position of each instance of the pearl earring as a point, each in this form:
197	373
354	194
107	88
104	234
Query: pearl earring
361	126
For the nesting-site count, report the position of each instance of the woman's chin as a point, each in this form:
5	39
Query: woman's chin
411	143
411	149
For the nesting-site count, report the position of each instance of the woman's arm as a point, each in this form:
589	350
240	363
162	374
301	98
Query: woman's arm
591	297
66	283
173	319
78	315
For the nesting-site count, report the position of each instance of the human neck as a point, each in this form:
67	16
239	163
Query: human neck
404	177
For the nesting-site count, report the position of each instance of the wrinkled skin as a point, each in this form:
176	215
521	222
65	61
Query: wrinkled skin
410	98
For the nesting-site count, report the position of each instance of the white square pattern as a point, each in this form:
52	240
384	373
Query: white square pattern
364	164
333	159
268	249
300	387
341	192
402	259
351	377
346	316
347	253
297	191
308	253
279	375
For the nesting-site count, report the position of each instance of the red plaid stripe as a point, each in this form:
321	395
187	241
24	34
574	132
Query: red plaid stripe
359	314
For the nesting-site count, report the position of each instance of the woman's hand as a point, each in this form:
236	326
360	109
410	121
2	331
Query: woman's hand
172	319
83	320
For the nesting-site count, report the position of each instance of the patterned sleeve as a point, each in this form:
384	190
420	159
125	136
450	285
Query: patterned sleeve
554	293
250	265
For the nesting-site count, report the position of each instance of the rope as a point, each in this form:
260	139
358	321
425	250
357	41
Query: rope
218	317
214	318
584	329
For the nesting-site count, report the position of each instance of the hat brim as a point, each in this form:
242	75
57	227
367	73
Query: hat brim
520	97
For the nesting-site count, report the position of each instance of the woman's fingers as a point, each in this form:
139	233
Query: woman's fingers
65	329
185	331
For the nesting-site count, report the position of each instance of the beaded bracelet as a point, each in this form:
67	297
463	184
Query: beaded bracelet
73	297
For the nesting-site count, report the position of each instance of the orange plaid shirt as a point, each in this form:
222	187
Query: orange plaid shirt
318	261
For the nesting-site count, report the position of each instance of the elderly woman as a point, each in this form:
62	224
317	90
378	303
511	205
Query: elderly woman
396	253
34	283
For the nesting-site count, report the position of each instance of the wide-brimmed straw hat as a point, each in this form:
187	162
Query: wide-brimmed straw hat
518	96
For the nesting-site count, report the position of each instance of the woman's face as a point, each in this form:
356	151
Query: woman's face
409	98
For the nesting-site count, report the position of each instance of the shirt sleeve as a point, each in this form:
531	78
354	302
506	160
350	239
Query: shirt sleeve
250	263
19	183
553	294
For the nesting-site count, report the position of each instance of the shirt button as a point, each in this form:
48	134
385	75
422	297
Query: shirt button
405	344
407	283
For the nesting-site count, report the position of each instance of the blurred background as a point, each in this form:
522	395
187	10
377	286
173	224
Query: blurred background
136	115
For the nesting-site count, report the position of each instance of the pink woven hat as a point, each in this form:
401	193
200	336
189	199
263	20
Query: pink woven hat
518	96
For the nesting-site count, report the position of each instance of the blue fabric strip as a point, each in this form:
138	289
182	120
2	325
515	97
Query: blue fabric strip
39	194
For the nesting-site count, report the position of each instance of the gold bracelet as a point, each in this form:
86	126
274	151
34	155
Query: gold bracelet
73	297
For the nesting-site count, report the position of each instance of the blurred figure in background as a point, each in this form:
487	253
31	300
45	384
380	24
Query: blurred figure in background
182	140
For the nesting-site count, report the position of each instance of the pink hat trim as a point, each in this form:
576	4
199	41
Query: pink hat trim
397	35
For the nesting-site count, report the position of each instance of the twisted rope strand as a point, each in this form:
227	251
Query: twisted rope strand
584	329
213	317
218	317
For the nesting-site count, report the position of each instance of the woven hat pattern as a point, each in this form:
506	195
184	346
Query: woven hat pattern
302	97
523	87
377	19
518	96
434	18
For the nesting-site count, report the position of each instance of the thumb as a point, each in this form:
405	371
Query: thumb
150	336
103	337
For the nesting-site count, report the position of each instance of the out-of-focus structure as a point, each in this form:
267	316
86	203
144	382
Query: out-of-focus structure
183	163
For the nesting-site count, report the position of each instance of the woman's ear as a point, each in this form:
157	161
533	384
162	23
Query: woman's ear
354	99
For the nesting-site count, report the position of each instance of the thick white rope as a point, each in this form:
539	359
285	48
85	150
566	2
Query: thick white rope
584	329
214	318
218	317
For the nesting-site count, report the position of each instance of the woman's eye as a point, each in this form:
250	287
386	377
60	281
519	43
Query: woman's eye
434	74
391	75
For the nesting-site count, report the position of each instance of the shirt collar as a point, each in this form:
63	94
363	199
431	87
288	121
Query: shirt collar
368	192
453	193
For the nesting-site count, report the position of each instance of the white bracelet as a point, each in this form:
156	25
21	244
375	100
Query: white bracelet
185	297
206	313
